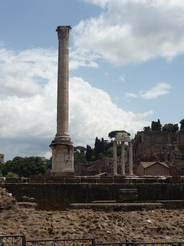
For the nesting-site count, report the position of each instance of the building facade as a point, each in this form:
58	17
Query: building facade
1	158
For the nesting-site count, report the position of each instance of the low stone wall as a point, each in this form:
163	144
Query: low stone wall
59	196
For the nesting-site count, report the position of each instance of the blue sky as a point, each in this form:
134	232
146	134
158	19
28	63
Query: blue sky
126	69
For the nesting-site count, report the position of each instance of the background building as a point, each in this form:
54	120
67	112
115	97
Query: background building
1	158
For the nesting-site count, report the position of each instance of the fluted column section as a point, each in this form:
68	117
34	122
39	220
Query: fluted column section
115	158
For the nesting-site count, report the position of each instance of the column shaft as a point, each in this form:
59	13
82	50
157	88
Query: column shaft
130	159
122	159
114	158
63	84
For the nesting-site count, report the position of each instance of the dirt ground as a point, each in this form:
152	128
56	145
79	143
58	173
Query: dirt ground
148	225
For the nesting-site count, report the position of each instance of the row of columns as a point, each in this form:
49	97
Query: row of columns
122	159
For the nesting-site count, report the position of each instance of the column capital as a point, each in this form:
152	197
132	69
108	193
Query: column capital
63	31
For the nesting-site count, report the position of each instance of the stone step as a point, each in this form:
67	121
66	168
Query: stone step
104	201
116	206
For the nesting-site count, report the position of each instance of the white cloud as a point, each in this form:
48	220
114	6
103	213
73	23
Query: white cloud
28	122
159	90
122	78
132	31
127	95
81	58
20	73
101	3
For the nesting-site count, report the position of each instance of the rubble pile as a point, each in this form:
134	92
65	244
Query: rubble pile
7	201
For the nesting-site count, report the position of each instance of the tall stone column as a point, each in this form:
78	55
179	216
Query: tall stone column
130	159
114	158
63	84
62	147
122	159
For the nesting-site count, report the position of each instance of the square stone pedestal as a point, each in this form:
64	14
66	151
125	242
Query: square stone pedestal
62	159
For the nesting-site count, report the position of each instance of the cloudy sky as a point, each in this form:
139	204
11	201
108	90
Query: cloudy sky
126	69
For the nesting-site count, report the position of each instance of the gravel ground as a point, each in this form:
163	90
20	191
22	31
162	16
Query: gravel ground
157	225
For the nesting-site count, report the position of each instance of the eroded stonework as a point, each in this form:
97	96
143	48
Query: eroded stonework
62	158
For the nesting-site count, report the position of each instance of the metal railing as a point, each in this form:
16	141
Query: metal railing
12	240
130	243
62	242
20	240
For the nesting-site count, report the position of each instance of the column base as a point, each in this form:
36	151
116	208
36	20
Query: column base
62	138
62	157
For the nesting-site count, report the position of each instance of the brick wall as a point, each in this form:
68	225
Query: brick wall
59	196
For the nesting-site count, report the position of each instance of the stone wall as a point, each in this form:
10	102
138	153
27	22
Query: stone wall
59	196
156	145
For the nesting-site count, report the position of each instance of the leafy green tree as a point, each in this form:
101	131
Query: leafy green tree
79	154
100	147
48	163
88	153
24	167
182	124
100	156
109	152
170	128
32	166
147	128
97	147
13	166
11	175
108	145
156	125
1	169
118	149
175	127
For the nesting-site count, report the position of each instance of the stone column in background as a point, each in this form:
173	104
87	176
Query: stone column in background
62	147
122	159
130	159
114	158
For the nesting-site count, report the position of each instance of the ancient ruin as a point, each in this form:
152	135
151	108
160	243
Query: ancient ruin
62	147
160	146
122	138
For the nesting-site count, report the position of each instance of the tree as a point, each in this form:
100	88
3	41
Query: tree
1	169
24	167
101	156
170	128
88	153
13	166
156	125
11	175
147	128
48	163
175	127
182	124
97	147
32	166
79	155
100	147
